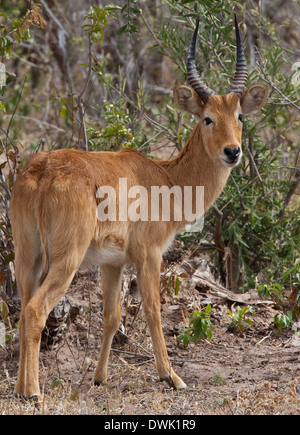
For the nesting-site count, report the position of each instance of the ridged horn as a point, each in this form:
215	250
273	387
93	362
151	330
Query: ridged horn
193	77
241	74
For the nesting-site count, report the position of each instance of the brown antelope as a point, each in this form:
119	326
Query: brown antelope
56	229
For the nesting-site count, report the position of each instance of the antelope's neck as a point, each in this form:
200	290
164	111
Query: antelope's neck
193	167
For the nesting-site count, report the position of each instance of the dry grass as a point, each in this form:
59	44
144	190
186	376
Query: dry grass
133	391
231	375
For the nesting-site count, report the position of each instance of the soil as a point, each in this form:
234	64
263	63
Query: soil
255	371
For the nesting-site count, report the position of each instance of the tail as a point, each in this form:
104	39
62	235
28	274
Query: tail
41	213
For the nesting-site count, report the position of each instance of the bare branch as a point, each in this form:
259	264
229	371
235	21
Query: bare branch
157	40
89	70
291	191
84	144
266	79
253	164
53	18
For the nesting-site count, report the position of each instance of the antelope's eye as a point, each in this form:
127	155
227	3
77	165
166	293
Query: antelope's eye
208	121
241	117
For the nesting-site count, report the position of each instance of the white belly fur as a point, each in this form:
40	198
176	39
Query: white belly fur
109	255
168	244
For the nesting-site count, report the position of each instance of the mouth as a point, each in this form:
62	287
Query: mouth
230	163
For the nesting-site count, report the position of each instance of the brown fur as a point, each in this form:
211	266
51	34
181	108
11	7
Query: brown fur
55	228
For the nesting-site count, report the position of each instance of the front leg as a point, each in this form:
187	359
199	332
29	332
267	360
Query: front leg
149	284
111	283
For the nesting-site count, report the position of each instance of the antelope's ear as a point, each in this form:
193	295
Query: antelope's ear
187	100
254	98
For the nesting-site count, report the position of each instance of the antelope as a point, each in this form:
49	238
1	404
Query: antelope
56	229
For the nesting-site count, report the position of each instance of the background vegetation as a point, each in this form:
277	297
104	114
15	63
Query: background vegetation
97	76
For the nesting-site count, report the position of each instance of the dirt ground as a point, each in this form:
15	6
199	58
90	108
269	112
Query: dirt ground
255	372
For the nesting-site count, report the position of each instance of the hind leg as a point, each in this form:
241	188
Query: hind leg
37	302
27	272
111	283
33	322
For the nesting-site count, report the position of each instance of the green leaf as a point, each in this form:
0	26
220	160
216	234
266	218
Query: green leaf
9	257
122	30
4	311
177	285
184	2
208	309
63	111
110	8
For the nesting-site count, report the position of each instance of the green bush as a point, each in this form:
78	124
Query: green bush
200	327
258	215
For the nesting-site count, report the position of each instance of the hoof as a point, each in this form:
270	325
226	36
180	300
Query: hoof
35	398
168	380
177	383
20	396
99	383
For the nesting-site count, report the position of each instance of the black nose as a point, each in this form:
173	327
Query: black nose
232	154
